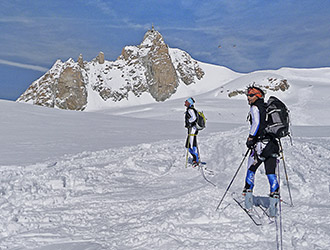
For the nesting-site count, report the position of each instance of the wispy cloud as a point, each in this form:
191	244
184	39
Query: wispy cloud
24	66
14	20
103	6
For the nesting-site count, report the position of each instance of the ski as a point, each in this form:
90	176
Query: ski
201	164
253	217
203	167
260	202
265	212
203	174
190	161
204	170
278	227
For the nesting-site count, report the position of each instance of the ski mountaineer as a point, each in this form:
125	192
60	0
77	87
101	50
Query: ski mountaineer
264	149
190	124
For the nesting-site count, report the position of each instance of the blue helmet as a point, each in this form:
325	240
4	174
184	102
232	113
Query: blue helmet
191	101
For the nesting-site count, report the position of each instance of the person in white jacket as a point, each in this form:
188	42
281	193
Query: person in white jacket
264	149
190	124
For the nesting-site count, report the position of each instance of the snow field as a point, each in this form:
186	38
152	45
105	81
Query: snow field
143	197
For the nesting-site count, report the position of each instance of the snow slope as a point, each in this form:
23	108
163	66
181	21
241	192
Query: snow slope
116	179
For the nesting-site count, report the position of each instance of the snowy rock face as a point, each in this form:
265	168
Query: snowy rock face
63	86
71	91
151	67
272	84
160	73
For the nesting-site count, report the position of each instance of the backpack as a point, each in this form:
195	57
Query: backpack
277	118
201	120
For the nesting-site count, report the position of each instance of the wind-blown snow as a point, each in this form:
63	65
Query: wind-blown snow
116	178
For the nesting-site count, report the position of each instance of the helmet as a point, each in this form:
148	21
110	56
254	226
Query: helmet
190	101
258	92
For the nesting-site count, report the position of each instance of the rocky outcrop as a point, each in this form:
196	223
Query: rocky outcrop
188	69
100	58
80	61
151	67
273	84
160	72
71	90
277	84
63	86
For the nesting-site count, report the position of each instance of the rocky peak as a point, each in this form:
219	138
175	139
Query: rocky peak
152	38
151	67
81	61
160	72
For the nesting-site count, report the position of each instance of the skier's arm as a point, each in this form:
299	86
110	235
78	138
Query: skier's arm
193	117
255	121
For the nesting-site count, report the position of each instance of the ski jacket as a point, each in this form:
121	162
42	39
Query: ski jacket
257	119
265	146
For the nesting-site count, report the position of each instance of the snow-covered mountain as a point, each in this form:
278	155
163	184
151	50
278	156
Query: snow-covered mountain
151	71
148	73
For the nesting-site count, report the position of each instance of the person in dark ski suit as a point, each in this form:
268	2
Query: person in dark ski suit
190	124
264	149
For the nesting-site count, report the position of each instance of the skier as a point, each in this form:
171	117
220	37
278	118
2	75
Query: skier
263	149
190	124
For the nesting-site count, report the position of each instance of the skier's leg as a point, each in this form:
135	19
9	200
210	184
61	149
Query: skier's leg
253	165
270	165
193	144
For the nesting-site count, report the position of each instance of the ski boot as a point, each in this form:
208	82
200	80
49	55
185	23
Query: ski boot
273	200
195	164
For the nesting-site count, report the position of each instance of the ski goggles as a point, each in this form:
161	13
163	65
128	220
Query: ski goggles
254	92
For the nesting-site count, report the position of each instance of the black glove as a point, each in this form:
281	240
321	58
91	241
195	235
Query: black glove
187	125
250	142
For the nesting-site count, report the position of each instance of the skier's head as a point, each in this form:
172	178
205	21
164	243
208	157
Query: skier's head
254	93
189	102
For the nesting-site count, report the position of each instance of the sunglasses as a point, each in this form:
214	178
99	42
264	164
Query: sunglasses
250	95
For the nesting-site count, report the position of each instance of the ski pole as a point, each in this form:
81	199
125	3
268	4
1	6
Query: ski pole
280	236
232	180
199	156
286	174
187	158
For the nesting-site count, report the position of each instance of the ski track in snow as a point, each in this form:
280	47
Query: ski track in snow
143	197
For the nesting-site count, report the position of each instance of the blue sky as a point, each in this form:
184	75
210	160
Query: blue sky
253	34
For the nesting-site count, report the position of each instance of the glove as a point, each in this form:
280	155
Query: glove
250	142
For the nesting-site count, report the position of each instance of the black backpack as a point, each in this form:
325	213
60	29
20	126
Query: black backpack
277	118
